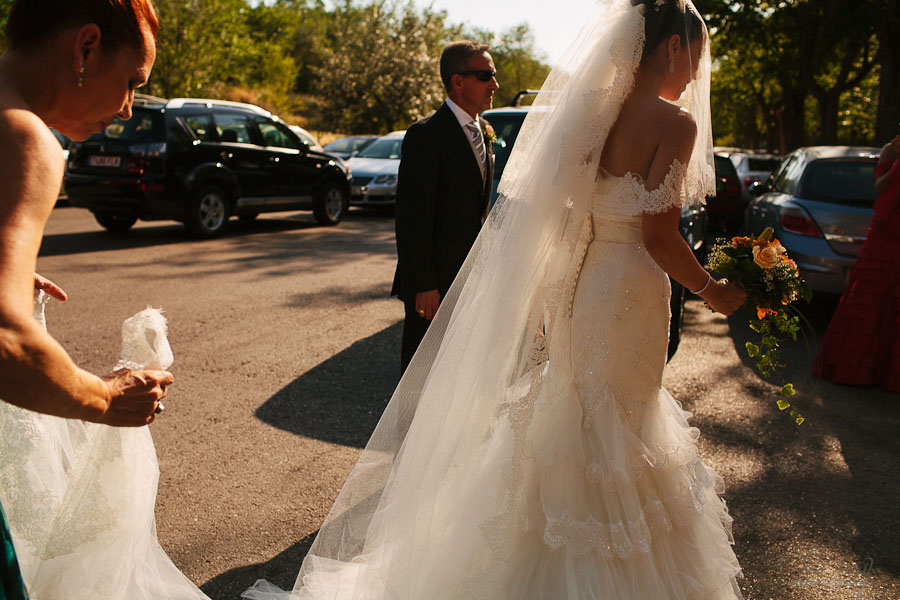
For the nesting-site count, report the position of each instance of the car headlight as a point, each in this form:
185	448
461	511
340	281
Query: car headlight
386	179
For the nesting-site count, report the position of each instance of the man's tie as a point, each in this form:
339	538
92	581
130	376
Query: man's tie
477	141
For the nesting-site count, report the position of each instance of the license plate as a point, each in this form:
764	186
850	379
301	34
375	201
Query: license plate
105	161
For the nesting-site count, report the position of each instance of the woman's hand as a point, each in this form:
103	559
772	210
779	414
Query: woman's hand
135	397
724	297
42	283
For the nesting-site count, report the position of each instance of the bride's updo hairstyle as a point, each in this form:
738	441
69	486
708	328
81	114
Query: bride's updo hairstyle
665	18
33	22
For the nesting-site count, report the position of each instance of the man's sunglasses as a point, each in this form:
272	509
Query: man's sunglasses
485	75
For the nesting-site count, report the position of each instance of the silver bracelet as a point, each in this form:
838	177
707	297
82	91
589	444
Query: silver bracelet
709	280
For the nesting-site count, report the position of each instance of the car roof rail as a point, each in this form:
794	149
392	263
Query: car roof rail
517	99
147	99
209	103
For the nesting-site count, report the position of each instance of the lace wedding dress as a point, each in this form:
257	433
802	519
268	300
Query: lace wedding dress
80	497
529	451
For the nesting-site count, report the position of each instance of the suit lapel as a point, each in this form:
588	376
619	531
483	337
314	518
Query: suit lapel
457	142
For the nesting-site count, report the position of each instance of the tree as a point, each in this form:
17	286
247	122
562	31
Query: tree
194	47
382	69
518	63
887	28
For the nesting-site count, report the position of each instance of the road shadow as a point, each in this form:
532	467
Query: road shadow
828	485
281	570
170	232
341	400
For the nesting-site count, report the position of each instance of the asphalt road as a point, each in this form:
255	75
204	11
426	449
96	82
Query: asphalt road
286	351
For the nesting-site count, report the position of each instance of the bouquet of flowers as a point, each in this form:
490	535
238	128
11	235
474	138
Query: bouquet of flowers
762	268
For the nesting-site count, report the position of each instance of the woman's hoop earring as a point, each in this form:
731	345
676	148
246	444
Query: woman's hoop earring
81	76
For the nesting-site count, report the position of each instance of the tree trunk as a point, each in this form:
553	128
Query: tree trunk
829	103
888	32
793	120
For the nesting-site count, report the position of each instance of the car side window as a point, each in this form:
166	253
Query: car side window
780	179
274	135
792	172
201	125
233	128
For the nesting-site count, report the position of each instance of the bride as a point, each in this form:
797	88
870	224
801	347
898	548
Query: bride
530	451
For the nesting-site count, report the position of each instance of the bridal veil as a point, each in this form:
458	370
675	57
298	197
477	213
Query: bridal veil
426	486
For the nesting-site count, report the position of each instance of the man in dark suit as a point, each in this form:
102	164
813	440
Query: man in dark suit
443	188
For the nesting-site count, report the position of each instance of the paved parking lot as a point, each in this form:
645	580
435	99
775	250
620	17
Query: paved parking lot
287	349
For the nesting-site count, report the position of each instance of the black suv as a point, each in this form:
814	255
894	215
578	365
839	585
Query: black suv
200	162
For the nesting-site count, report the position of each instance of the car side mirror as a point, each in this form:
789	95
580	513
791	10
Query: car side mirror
354	153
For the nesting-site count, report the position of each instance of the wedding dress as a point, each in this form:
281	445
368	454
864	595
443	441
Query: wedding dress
80	497
530	451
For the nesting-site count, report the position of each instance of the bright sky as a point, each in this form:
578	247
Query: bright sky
554	23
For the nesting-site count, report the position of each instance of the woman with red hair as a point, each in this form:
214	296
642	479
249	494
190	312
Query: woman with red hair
73	66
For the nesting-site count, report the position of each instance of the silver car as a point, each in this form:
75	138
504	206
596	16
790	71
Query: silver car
819	202
375	170
753	167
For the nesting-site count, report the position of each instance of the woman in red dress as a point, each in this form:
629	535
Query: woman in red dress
862	344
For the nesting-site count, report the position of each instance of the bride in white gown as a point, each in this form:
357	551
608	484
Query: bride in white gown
530	451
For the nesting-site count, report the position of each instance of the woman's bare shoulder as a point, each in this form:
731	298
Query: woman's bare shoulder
31	162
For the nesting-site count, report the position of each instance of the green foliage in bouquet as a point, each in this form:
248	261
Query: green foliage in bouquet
760	265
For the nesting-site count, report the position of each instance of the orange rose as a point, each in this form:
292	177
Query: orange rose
762	312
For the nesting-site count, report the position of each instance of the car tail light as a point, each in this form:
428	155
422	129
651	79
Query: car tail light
732	186
747	181
794	219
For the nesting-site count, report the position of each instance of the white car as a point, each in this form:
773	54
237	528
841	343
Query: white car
752	167
374	172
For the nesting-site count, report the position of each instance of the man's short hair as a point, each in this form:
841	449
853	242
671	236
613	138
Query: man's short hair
455	58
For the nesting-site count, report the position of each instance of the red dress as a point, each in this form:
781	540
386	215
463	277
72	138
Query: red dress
862	344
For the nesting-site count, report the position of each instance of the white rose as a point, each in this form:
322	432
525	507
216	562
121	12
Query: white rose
767	257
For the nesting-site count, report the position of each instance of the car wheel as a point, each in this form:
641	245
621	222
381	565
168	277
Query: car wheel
208	213
677	305
114	222
330	204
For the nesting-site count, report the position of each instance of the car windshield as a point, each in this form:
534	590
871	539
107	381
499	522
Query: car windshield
347	144
386	147
763	164
840	182
506	128
143	126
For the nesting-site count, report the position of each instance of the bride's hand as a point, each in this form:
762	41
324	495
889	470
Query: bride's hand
724	297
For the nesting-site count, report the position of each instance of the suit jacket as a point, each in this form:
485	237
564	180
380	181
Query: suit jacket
442	202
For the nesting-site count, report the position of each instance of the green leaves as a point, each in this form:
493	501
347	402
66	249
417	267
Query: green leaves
769	294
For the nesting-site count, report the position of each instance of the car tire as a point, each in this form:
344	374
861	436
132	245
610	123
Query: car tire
677	306
330	204
114	222
208	213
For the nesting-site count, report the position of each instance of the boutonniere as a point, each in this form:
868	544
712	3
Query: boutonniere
489	133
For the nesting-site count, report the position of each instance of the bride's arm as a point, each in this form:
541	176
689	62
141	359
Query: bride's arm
660	230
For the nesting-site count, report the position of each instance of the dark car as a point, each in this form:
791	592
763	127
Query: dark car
348	147
200	162
692	224
820	204
726	208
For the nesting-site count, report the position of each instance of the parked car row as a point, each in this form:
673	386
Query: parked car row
820	203
200	162
736	172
